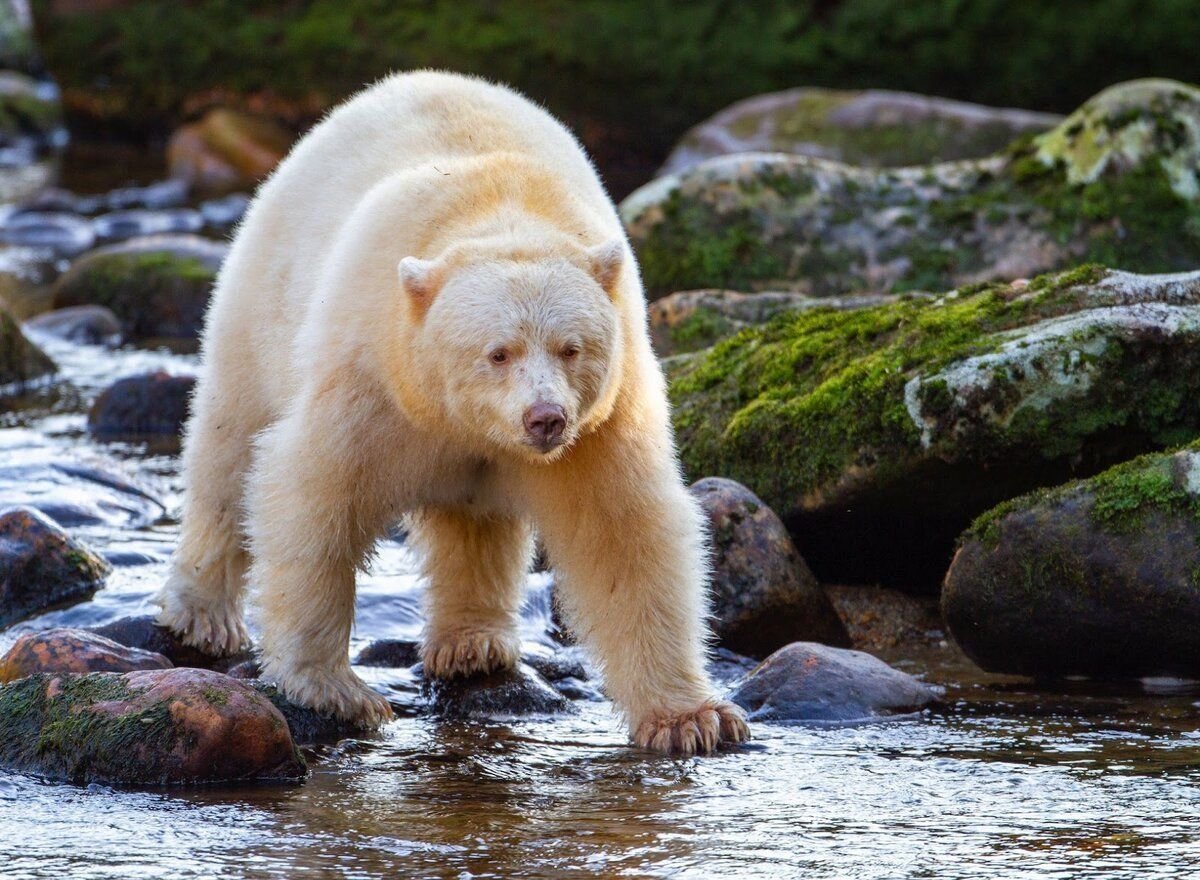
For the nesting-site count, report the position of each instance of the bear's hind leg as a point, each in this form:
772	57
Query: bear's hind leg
476	568
202	600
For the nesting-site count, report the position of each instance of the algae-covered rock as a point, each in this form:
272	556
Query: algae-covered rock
73	650
819	684
763	596
158	286
1115	182
41	566
879	434
1097	577
874	127
694	319
164	727
21	362
226	150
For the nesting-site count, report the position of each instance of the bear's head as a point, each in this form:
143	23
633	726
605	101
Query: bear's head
519	351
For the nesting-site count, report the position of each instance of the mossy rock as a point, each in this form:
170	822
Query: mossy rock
879	434
42	566
1098	577
156	727
1115	182
22	363
157	286
875	128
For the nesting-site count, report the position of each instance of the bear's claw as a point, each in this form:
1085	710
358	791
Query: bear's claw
215	631
466	652
697	732
344	696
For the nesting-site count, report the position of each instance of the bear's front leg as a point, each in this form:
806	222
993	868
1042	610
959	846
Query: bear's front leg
313	514
475	566
627	544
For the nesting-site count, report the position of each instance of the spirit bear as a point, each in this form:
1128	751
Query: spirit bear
431	310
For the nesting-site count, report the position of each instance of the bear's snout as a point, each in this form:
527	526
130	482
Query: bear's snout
544	425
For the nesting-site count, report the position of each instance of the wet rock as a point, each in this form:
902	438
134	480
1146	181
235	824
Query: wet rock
73	650
879	434
1097	577
247	670
65	234
816	683
763	595
147	406
158	727
86	325
872	128
152	197
226	150
727	666
505	693
143	633
22	363
390	653
71	492
225	212
41	566
883	619
123	225
306	725
158	286
1116	182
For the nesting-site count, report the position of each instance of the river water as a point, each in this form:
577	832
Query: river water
1003	780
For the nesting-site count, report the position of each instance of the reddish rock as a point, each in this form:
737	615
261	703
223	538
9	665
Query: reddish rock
164	727
226	150
73	650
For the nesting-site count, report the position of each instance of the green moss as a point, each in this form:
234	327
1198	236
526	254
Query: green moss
699	330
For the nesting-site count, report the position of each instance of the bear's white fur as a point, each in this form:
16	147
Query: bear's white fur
434	259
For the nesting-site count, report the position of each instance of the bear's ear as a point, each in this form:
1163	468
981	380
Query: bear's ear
605	261
419	278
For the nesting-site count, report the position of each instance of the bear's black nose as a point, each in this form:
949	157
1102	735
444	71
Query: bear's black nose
544	424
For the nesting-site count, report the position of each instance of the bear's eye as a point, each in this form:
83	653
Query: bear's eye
570	351
499	356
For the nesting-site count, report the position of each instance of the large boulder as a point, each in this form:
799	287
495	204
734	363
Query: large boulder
819	684
226	150
158	727
73	650
1116	182
873	127
879	434
22	363
41	566
158	286
763	595
1097	577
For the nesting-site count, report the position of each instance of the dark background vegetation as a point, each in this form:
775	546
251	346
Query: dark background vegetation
628	75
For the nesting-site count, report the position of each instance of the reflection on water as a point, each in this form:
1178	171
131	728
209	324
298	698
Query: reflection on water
1004	780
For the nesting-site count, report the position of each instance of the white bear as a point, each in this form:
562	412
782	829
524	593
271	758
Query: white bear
431	310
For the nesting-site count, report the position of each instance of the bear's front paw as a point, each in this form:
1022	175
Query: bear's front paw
699	731
343	695
468	651
218	631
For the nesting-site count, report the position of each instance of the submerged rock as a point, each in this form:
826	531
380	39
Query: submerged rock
85	325
143	633
21	362
873	127
1116	182
71	492
73	650
763	595
879	434
158	286
504	693
159	727
227	150
1097	577
41	566
147	406
809	682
